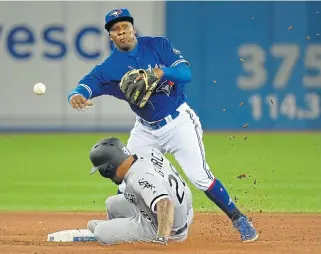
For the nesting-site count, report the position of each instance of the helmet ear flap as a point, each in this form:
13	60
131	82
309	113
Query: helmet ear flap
107	170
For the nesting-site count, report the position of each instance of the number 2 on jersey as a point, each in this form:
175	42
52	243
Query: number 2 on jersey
173	180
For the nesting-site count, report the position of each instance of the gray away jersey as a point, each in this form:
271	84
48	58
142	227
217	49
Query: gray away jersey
151	178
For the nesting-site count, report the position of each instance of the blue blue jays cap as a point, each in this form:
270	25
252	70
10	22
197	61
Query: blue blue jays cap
117	15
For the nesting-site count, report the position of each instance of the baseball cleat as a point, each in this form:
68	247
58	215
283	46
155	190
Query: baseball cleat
246	229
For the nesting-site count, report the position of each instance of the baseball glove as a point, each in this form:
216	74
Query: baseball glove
138	92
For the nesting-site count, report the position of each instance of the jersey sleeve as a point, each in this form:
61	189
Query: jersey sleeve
171	54
90	85
150	189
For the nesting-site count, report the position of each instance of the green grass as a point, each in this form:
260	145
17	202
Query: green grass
51	172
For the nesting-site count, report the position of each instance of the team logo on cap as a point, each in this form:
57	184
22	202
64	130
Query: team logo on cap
116	13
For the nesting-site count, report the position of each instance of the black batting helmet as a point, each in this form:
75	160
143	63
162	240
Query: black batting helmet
107	155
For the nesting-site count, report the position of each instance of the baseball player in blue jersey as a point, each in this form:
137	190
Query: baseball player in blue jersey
150	74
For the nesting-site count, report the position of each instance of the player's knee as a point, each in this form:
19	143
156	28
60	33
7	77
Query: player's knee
99	234
111	204
202	183
108	203
92	224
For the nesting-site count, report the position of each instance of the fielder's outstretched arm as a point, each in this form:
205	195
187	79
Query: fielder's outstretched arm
165	217
90	86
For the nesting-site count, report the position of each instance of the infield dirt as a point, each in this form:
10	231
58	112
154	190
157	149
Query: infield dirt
26	232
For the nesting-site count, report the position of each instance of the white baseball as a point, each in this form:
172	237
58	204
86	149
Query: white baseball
39	88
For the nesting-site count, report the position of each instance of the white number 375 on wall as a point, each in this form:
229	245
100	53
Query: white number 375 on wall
255	56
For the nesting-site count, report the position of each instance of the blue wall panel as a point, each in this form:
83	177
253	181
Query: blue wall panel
265	54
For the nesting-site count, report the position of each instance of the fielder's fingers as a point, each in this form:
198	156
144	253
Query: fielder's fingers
82	107
73	103
139	77
90	103
77	104
82	103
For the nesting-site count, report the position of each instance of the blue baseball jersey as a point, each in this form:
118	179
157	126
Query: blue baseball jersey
150	52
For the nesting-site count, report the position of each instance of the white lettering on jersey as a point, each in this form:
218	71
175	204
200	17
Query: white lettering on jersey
175	180
156	66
